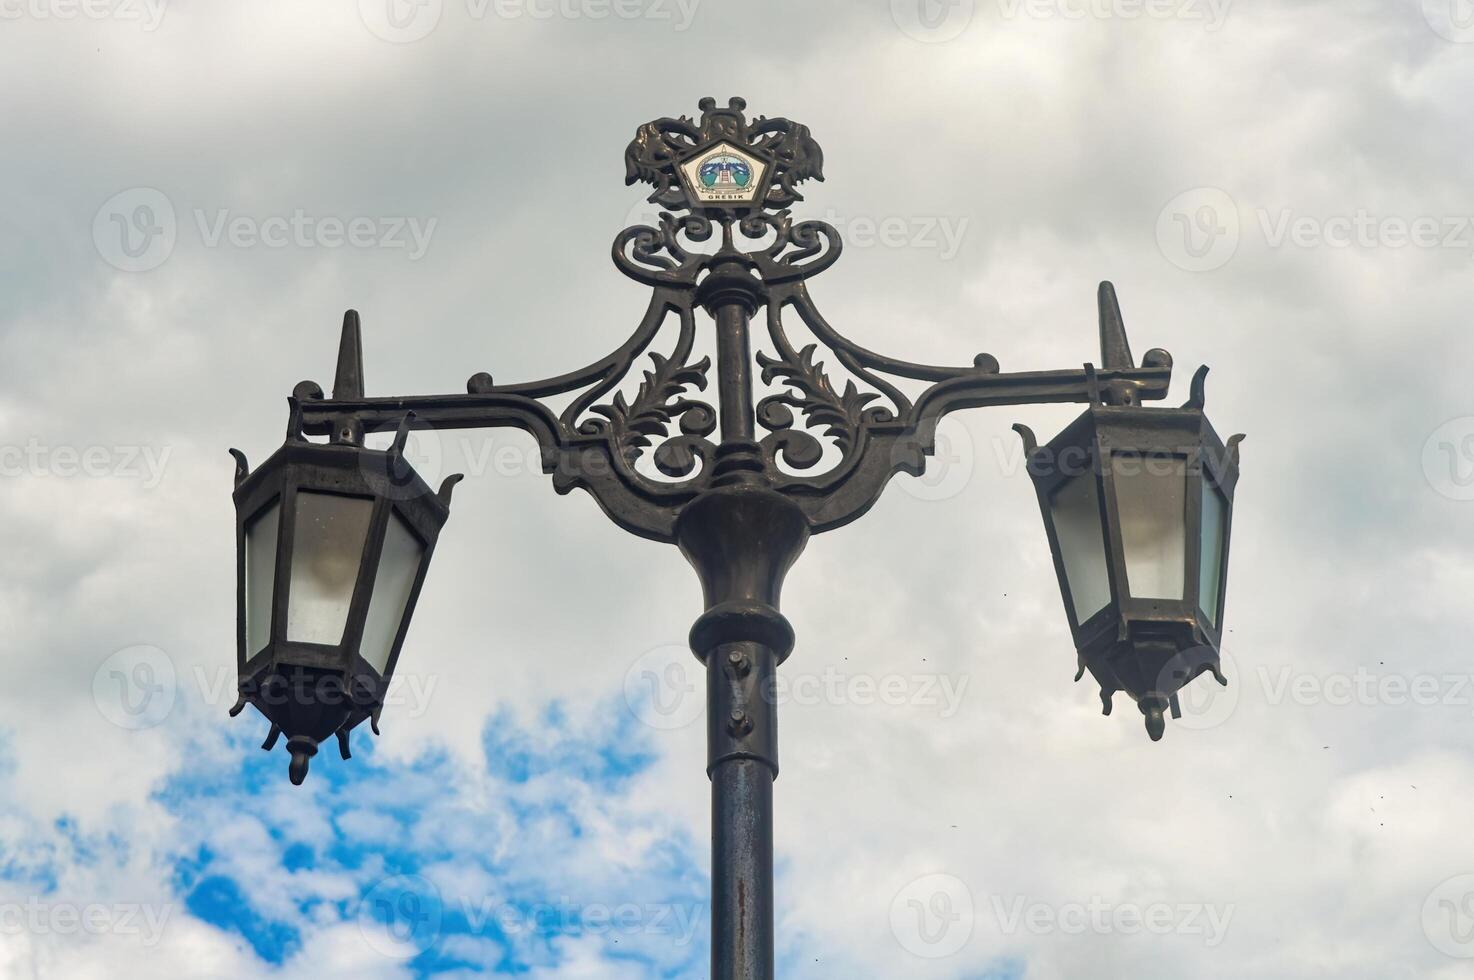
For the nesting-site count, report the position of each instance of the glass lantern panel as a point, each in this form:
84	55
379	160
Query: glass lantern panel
1150	501
327	550
398	566
1210	571
261	537
1075	510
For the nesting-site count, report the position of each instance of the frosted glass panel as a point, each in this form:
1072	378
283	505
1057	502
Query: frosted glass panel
1210	572
1150	502
1075	507
326	553
397	570
261	537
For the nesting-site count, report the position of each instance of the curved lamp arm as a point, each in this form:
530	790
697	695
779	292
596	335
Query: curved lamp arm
878	442
596	454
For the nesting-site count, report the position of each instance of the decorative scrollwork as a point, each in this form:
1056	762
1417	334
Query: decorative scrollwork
651	156
634	424
799	156
655	256
799	249
839	413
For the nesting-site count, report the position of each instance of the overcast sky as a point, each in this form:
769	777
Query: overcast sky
1278	189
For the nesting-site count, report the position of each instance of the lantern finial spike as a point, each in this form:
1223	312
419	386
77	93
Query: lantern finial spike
1233	447
348	382
242	466
302	749
447	485
1115	352
271	737
1031	442
401	435
1195	398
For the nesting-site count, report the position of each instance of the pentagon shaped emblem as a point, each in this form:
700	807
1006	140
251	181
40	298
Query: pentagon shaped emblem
724	174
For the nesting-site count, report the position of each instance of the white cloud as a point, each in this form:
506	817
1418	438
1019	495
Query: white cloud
1058	140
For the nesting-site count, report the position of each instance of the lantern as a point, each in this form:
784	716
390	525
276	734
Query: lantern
333	542
1138	506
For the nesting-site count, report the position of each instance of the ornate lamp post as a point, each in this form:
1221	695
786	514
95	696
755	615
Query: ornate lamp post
743	484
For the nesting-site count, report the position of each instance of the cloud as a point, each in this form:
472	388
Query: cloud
561	834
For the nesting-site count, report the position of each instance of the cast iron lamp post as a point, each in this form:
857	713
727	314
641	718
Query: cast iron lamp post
334	539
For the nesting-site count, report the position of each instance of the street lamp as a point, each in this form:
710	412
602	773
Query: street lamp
740	485
1138	505
332	545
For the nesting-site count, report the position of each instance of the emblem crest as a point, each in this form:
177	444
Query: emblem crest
723	164
723	175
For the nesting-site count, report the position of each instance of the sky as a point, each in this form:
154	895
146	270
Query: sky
1278	190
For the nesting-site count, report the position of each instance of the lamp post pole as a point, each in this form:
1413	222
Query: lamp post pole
739	517
741	537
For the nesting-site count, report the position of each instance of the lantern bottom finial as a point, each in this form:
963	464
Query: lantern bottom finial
302	749
1155	710
1151	669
